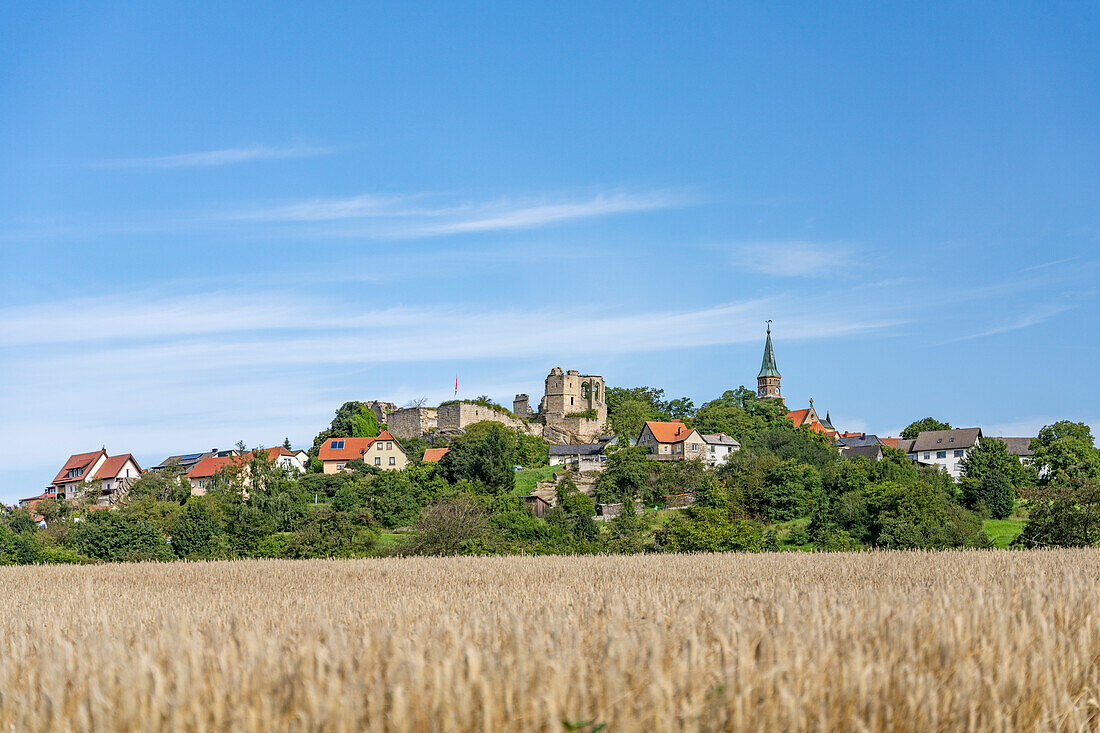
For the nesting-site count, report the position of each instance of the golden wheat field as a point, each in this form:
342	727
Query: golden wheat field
875	641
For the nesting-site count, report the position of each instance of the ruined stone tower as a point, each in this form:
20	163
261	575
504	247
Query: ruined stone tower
573	407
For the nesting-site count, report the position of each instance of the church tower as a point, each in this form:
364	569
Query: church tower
767	381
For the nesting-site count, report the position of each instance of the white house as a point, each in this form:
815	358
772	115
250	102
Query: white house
719	446
944	448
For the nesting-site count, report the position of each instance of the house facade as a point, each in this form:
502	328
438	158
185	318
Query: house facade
203	474
96	472
672	441
944	449
382	452
719	447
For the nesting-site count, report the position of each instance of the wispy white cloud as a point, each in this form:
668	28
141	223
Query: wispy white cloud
791	259
425	215
1035	316
1049	264
226	156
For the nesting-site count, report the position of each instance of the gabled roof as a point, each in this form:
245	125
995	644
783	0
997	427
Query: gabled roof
947	439
669	432
78	460
210	465
873	452
352	448
798	416
431	455
767	366
853	440
114	465
1017	446
719	439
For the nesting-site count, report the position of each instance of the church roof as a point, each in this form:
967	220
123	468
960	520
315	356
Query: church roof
768	367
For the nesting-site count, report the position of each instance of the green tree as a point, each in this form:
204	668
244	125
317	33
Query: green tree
365	424
630	417
788	489
625	477
486	453
916	428
1065	451
195	529
456	527
1062	513
993	492
115	536
992	456
167	484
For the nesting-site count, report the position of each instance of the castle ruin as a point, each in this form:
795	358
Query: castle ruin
573	409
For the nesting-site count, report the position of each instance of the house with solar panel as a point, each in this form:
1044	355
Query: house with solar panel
184	462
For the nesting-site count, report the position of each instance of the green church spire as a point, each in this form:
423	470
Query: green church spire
768	368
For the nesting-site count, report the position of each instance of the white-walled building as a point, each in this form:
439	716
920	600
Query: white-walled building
944	448
719	447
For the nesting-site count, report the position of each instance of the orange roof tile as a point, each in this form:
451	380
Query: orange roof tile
798	416
669	432
434	454
210	465
352	447
892	442
114	464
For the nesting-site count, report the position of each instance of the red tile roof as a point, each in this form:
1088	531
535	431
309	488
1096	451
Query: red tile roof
798	416
669	432
434	454
79	460
353	447
113	465
892	442
210	465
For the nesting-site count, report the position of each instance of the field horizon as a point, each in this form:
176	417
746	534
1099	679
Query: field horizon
960	640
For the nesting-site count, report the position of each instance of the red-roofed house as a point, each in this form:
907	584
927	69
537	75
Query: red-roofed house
201	475
432	455
90	471
670	441
381	452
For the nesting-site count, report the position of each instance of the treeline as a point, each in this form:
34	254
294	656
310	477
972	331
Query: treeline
786	488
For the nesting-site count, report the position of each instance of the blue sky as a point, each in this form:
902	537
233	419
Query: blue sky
221	223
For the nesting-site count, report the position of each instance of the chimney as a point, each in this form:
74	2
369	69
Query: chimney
214	451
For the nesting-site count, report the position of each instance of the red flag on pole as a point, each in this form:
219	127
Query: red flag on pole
456	385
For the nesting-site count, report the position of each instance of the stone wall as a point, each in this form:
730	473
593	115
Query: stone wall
412	422
380	409
461	415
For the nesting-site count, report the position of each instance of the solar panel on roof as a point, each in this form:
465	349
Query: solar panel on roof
190	456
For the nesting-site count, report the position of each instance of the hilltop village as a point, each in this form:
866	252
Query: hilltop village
587	454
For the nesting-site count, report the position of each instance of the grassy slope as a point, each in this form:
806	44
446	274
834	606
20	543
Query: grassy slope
526	479
1003	531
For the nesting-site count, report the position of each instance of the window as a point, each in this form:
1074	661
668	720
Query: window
694	447
393	461
380	446
927	456
960	453
337	444
339	466
378	461
389	446
941	454
570	400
